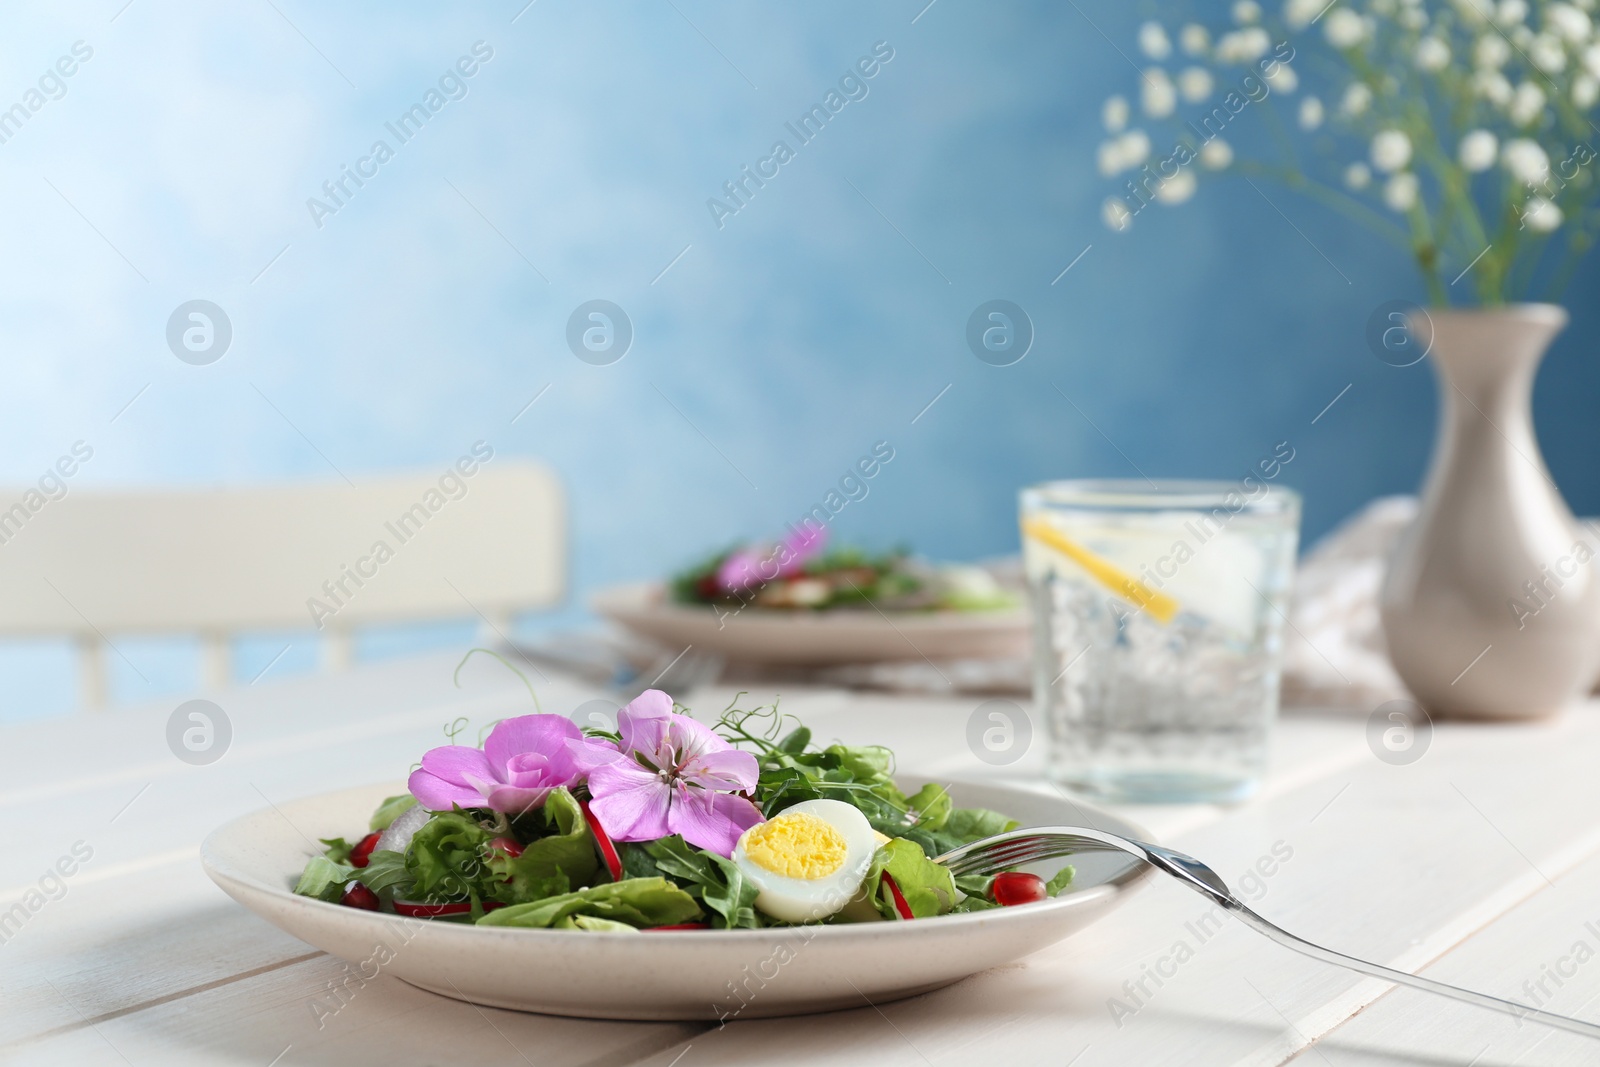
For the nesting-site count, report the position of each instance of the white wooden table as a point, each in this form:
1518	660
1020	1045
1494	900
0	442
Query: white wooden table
1479	864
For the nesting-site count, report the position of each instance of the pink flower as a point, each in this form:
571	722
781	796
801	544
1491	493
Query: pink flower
521	762
671	776
752	566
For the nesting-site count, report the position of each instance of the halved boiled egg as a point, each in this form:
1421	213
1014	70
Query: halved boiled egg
808	860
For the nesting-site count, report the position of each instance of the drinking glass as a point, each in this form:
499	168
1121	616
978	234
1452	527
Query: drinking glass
1158	613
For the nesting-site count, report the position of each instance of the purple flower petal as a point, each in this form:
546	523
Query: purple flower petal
712	821
803	544
643	724
435	794
514	800
457	764
739	571
728	769
631	802
545	734
592	752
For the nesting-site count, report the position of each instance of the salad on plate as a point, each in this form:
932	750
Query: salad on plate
801	573
663	824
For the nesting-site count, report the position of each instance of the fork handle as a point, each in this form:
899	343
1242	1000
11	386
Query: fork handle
1389	974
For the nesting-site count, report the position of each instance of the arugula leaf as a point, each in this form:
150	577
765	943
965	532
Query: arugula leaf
637	902
715	881
324	879
967	825
386	874
552	864
1063	879
927	886
338	849
390	810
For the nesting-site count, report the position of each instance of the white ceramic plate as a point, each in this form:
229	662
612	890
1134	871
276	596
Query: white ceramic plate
816	638
700	974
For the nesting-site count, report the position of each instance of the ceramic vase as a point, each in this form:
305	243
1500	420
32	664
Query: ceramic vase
1491	603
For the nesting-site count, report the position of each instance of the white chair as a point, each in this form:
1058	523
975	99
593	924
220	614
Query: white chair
214	562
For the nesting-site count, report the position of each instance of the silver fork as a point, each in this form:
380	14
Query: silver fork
1005	851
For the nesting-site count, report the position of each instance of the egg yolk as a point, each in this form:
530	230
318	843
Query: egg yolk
796	845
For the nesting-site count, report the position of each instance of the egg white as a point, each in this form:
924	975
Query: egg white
799	900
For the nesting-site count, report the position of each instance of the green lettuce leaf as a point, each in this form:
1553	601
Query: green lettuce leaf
594	922
715	881
324	879
637	902
338	849
928	887
390	810
932	805
967	825
550	865
1063	879
446	859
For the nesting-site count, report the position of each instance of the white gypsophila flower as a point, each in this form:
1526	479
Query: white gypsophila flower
1391	150
1400	191
1475	12
1216	154
1344	28
1527	104
1568	22
1493	87
1357	98
1591	59
1195	84
1194	39
1115	214
1243	46
1382	7
1176	189
1157	96
1311	113
1478	151
1432	54
1108	159
1153	41
1114	114
1525	160
1491	52
1540	215
1521	36
1299	13
1246	12
1511	12
1283	78
1357	176
1134	147
1547	53
1414	18
1585	91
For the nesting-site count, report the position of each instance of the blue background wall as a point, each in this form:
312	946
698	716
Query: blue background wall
821	318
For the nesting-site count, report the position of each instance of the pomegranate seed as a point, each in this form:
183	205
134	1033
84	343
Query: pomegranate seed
363	850
1018	887
508	845
676	926
359	896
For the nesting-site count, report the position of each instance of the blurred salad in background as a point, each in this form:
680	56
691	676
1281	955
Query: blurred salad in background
801	573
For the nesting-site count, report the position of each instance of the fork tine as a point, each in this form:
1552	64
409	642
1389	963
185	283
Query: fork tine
991	862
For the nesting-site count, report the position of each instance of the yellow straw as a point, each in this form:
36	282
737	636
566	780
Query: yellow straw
1108	574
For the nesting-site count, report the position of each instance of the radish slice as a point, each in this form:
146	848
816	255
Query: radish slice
398	836
357	895
608	851
900	905
508	845
415	909
677	926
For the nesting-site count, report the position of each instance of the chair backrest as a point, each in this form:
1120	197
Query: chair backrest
477	539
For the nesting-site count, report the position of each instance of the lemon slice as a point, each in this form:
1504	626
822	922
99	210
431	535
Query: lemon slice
1160	606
